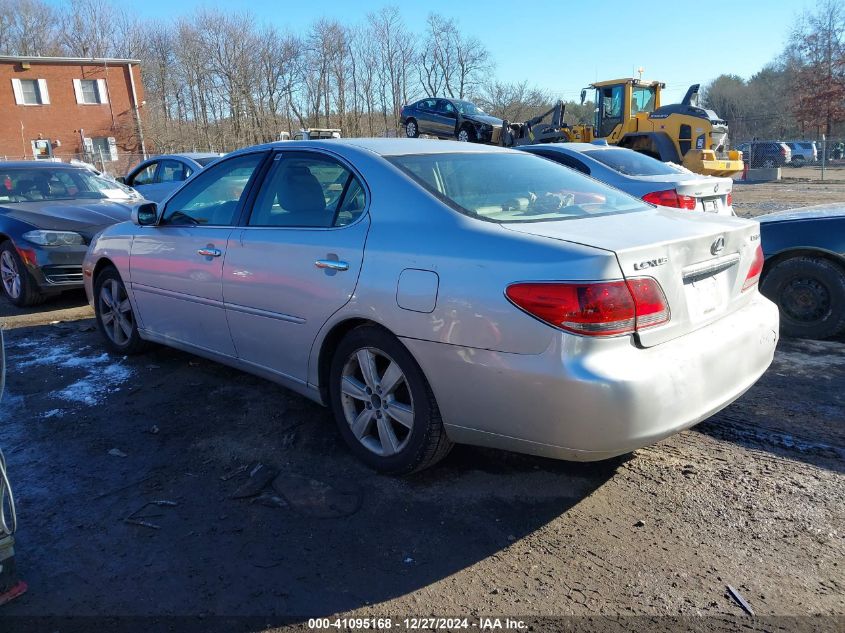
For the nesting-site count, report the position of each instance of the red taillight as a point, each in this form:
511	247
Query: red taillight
670	198
783	151
753	275
602	308
730	199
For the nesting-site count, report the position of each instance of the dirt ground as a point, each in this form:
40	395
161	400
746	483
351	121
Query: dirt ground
752	498
800	187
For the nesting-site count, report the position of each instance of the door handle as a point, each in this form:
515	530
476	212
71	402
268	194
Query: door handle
210	252
331	264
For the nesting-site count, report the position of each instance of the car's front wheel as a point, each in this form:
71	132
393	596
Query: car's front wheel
466	134
383	405
411	129
17	284
810	294
114	314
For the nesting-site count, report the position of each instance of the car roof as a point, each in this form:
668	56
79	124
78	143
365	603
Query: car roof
576	147
191	155
385	146
38	164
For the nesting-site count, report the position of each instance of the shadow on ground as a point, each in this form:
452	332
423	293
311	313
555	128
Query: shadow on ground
327	535
797	410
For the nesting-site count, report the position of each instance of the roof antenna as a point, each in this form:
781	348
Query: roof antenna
641	70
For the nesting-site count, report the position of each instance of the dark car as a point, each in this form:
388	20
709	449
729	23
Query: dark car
765	153
48	214
804	271
450	118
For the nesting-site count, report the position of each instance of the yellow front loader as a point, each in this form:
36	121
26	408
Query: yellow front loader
629	114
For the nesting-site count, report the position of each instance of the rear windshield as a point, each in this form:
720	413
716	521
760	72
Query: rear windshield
205	161
631	163
513	187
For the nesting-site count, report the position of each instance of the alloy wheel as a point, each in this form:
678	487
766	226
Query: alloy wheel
116	312
10	275
411	129
377	401
463	136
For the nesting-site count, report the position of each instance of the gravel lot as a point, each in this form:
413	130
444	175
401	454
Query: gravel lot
752	498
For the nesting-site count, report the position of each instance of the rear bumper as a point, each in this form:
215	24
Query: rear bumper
586	399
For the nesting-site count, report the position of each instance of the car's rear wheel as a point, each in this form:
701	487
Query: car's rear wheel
383	405
17	284
411	129
768	163
810	294
115	317
797	161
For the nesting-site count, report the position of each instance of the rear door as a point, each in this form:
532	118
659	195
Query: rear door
296	261
176	267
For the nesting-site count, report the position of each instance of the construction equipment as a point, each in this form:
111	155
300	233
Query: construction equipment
535	130
629	114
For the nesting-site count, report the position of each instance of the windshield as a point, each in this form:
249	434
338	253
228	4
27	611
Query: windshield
465	107
632	163
513	187
26	184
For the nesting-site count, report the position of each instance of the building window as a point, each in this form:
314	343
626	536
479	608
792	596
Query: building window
90	91
30	91
104	149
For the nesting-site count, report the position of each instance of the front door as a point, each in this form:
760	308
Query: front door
296	261
176	266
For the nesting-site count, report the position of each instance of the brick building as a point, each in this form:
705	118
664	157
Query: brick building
63	107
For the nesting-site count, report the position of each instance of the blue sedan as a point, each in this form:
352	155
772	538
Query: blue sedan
804	273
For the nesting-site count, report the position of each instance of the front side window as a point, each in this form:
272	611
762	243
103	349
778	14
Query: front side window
308	190
631	163
144	177
214	197
506	187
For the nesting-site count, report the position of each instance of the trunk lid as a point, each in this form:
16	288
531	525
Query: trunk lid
700	261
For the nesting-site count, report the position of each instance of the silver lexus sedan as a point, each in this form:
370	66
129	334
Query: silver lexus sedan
433	292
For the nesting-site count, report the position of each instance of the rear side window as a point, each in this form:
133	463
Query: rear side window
631	163
513	187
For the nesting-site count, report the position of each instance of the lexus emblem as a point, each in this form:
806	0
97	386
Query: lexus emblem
717	246
716	188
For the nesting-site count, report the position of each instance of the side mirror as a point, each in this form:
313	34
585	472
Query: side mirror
121	180
145	214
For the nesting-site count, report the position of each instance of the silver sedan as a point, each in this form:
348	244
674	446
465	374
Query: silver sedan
656	182
433	292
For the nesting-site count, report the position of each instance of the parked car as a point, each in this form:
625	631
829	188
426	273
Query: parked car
804	272
765	153
158	177
654	181
449	118
433	293
803	152
48	214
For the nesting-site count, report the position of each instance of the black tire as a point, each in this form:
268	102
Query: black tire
798	161
28	294
810	294
470	134
412	128
426	442
133	344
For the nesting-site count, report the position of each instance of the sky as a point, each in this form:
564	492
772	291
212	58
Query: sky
562	46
